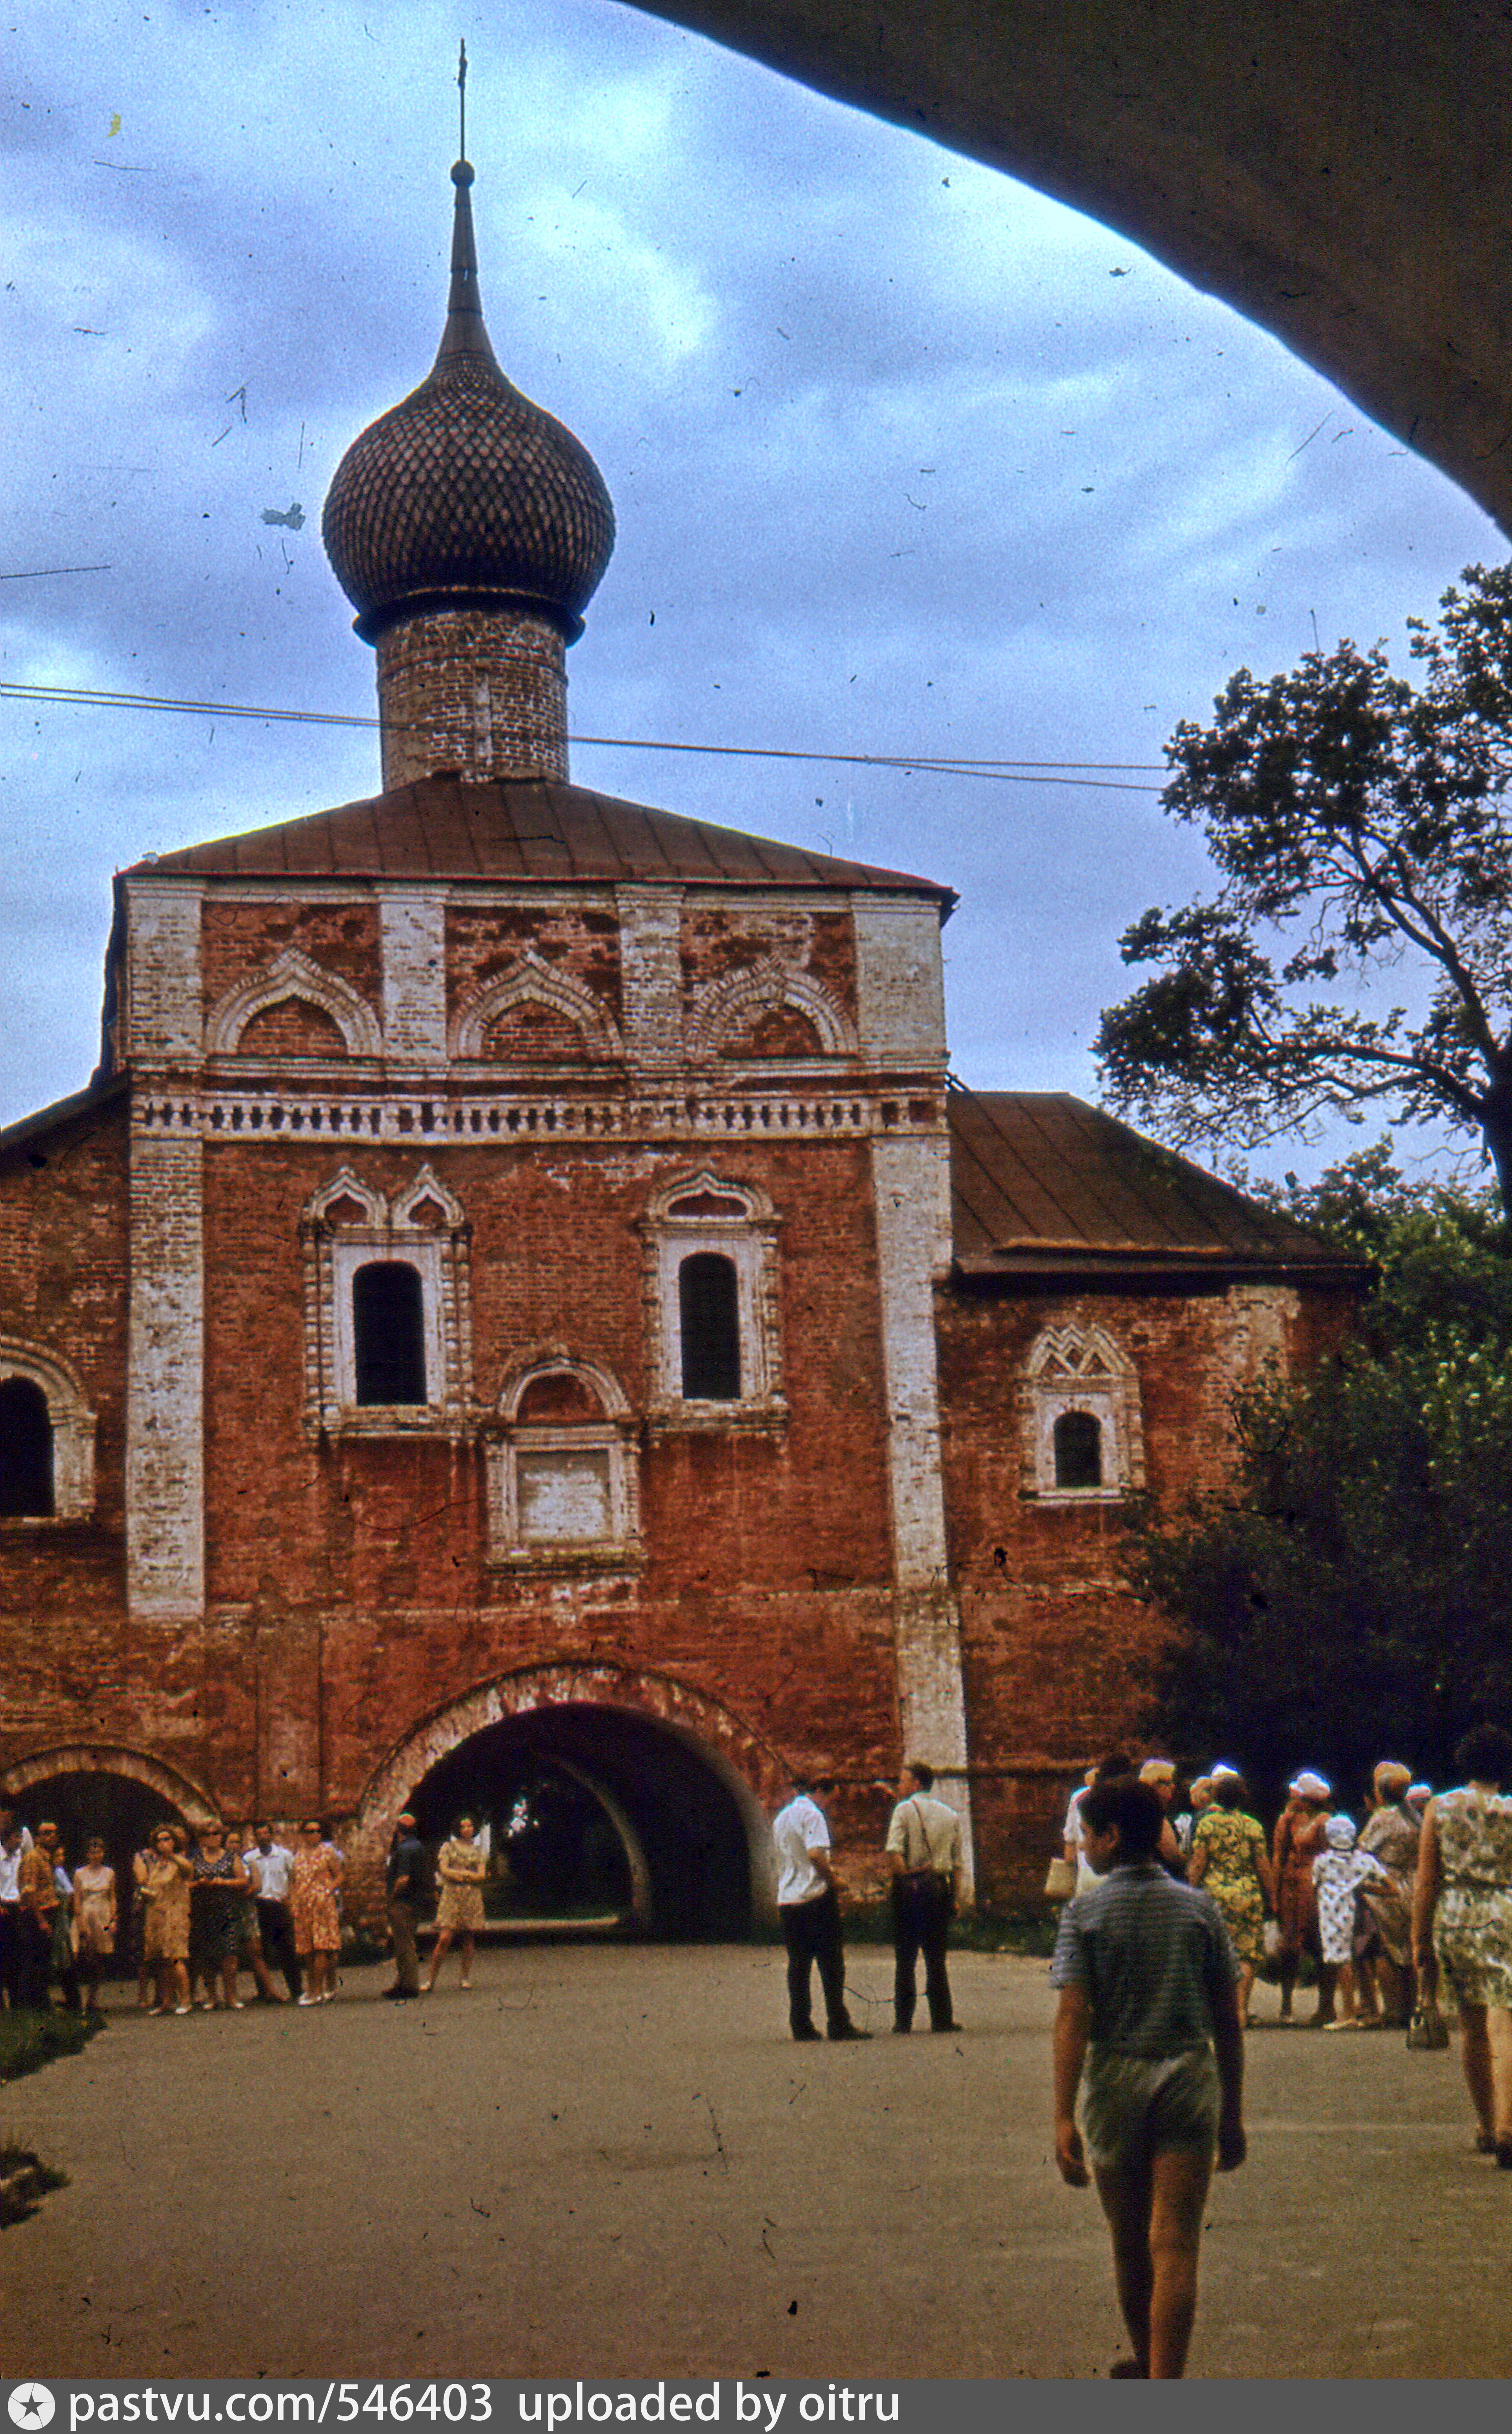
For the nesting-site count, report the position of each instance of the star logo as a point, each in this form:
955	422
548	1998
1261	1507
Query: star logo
31	2404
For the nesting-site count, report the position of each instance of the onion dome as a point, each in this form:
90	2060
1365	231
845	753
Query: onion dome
466	495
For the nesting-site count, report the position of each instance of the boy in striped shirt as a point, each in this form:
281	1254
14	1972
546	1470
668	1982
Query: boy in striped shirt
1146	1977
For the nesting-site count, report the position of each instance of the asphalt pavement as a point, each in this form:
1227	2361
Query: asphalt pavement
612	2161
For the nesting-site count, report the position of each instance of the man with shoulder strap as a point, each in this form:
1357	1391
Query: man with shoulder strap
924	1855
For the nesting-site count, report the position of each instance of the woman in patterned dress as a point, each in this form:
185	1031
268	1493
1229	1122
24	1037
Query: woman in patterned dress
1300	1834
1384	1945
313	1910
219	1882
461	1868
1462	1922
166	1933
1229	1861
94	1918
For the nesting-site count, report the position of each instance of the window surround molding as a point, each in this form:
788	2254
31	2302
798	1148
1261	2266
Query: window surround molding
726	1005
1074	1368
534	982
386	1229
293	974
613	1439
740	1224
73	1428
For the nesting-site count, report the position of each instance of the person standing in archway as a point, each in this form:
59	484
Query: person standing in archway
924	1855
808	1908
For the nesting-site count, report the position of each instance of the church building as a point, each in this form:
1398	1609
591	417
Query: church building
524	1317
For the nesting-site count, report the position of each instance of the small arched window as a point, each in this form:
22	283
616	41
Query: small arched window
26	1451
389	1328
709	1316
1078	1443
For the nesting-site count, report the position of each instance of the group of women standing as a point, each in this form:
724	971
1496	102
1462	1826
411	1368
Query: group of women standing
199	1917
1419	1898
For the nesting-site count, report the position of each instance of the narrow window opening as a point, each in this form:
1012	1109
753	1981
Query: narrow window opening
25	1450
388	1324
709	1312
1078	1441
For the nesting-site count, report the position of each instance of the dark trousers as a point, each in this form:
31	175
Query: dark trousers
36	1958
275	1932
810	1930
922	1908
12	1965
403	1922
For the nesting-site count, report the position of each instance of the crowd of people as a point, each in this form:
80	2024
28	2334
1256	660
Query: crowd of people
201	1909
1174	1905
197	1909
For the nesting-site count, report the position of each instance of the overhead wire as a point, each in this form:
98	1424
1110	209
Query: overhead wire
1004	771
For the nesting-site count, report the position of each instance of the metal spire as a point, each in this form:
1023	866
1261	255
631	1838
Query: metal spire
465	334
461	100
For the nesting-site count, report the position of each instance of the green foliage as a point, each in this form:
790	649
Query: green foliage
1359	822
1348	1597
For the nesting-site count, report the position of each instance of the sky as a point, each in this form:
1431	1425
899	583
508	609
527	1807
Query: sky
905	457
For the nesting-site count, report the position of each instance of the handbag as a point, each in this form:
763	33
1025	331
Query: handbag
1273	1940
1061	1881
1428	2031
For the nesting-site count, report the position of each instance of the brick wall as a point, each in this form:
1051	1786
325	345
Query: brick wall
481	691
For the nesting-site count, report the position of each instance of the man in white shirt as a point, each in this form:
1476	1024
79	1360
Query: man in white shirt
272	1869
808	1905
924	1855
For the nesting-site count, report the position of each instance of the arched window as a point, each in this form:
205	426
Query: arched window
1078	1441
709	1312
26	1451
388	1325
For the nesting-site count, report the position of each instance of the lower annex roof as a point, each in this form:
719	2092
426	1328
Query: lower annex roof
523	829
1042	1184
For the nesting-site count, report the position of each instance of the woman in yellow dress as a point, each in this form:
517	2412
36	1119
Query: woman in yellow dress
461	1868
1230	1861
165	1937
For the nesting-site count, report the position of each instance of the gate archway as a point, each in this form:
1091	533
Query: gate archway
654	1794
90	1790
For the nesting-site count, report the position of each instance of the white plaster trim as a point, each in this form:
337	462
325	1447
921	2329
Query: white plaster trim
412	933
333	1255
538	1361
533	981
899	981
292	974
73	1428
727	1004
161	1013
1074	1368
749	1239
166	1381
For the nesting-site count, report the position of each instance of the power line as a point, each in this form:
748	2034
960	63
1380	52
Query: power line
1008	772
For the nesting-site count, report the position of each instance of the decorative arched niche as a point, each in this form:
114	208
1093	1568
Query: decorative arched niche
47	1437
388	1325
1083	1438
341	1023
563	1465
570	1019
711	1285
729	1016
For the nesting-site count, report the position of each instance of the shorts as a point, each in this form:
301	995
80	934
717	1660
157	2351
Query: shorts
1134	2105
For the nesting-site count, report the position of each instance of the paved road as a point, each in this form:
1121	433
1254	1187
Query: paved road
607	2162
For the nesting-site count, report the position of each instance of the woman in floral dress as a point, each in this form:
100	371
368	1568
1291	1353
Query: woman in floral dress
1462	1922
313	1910
165	1935
1300	1834
94	1919
1384	1946
1229	1861
461	1868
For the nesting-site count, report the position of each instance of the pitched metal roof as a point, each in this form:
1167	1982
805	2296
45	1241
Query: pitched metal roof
519	829
1042	1184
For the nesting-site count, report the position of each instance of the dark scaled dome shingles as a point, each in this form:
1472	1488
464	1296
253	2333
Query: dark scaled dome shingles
467	488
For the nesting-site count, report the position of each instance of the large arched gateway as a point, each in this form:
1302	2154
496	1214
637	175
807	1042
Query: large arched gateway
620	1792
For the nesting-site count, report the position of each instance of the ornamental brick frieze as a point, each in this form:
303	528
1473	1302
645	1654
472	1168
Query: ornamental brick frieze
285	1116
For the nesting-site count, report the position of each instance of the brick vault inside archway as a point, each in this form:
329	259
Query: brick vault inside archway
598	1813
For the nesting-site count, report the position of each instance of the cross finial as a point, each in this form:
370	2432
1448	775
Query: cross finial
461	99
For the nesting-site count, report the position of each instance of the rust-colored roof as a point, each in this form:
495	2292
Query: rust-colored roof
1042	1184
519	829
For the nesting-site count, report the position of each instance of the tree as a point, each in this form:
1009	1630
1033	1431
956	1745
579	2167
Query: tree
1346	1598
1361	823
